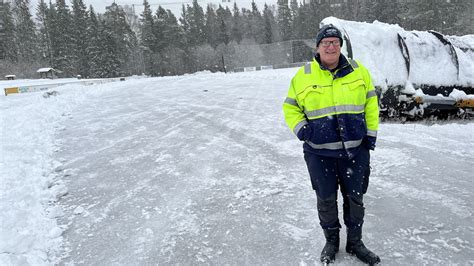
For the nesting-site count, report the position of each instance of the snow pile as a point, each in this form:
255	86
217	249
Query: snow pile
376	45
29	233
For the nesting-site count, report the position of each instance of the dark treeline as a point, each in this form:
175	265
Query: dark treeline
78	41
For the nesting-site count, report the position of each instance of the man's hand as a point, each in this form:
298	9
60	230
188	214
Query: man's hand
369	142
305	133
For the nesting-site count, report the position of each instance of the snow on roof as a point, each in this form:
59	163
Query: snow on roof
376	45
47	69
10	76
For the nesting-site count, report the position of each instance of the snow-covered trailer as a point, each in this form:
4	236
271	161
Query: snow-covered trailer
417	73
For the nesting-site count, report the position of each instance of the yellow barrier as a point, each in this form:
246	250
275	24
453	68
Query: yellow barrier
465	103
44	87
11	90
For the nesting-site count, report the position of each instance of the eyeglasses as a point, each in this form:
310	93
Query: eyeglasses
335	43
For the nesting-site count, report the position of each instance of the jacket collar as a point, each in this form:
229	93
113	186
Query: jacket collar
343	67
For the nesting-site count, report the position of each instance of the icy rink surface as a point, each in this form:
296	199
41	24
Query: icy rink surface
201	169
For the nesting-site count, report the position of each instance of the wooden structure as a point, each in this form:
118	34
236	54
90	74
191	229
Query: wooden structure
48	72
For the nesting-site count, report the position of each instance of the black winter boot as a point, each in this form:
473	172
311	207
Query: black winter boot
328	255
356	247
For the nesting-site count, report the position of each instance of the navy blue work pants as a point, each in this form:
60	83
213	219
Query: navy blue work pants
351	175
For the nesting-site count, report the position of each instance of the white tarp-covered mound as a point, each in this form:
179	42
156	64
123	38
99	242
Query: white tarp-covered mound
431	62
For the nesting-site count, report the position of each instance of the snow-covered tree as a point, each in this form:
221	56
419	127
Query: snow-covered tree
108	56
147	37
93	45
211	26
160	29
121	37
44	43
61	38
79	37
256	24
8	46
237	25
196	24
284	20
269	26
25	34
224	18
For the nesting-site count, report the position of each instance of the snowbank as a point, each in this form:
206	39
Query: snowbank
29	233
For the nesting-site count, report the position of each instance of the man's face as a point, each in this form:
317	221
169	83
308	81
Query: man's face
329	50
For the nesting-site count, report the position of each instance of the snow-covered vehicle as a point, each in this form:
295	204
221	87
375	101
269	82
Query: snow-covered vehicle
416	73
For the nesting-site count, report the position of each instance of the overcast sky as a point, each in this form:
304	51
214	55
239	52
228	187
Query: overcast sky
173	5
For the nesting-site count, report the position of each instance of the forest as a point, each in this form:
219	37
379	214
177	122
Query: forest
77	40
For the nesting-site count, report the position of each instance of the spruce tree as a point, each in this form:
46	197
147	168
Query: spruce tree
147	37
8	45
256	24
61	38
211	27
196	24
79	37
159	29
25	31
173	31
172	56
44	42
284	20
223	20
109	66
93	45
269	25
185	24
237	25
125	41
298	20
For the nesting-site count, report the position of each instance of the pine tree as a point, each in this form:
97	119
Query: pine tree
237	25
256	24
269	25
196	24
310	18
172	56
25	31
44	42
223	20
211	27
125	41
284	20
173	31
79	37
61	38
147	37
109	66
159	29
297	22
185	24
8	45
93	45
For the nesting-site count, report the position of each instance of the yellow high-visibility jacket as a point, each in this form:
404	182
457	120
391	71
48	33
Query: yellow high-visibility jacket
333	113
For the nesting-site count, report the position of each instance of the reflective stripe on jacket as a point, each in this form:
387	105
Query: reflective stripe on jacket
341	108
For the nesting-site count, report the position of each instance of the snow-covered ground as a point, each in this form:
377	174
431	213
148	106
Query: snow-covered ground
201	169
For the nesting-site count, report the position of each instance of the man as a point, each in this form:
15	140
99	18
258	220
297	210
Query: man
332	106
